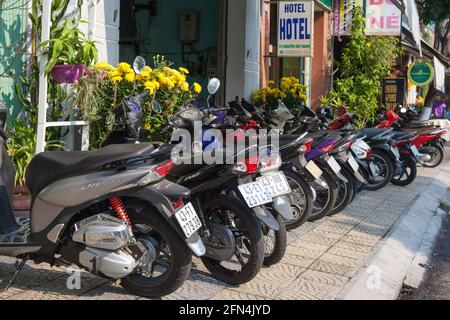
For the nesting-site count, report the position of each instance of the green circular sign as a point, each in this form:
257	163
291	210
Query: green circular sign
421	73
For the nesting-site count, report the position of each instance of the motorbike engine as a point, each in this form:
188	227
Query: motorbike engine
109	247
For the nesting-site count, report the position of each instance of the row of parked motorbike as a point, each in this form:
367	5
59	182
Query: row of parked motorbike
133	213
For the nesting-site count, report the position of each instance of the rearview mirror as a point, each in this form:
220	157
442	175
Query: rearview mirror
139	64
213	86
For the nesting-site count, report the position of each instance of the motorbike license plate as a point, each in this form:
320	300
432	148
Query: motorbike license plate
395	152
415	152
276	184
255	194
352	162
313	169
334	165
188	219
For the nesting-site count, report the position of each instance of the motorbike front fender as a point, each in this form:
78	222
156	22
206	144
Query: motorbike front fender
266	217
282	205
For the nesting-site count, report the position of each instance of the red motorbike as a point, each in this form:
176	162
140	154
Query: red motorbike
429	142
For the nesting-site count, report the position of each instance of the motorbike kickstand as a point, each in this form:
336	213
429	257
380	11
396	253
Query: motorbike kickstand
18	266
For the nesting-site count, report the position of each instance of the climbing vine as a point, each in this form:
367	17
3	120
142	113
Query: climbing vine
365	61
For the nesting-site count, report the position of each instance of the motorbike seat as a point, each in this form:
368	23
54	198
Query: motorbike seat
372	132
422	131
50	166
402	135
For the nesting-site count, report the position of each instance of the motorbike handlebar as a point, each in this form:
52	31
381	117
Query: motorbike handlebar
214	110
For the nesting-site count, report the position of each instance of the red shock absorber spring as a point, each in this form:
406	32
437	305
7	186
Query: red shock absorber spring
119	209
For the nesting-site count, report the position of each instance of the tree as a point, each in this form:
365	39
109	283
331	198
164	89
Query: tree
437	12
364	62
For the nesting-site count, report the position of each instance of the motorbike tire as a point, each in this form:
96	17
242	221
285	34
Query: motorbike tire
383	156
345	194
410	169
276	253
322	210
252	228
437	155
300	188
180	254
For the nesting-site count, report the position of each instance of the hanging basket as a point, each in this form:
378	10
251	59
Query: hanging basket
66	73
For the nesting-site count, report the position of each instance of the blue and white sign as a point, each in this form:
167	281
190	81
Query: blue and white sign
295	28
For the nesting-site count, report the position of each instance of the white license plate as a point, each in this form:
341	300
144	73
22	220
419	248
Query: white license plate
414	150
334	165
352	162
276	184
255	194
395	152
313	169
188	219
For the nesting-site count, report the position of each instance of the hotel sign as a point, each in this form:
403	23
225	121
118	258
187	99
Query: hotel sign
295	28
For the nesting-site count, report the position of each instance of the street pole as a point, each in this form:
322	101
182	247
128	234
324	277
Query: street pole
43	88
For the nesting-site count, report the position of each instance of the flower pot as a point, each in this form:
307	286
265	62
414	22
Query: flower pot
66	73
21	199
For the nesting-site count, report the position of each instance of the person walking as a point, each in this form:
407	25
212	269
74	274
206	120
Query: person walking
439	108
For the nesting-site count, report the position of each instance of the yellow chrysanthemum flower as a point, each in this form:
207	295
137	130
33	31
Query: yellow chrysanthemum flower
184	86
183	70
124	67
104	66
147	69
197	88
114	73
129	77
116	79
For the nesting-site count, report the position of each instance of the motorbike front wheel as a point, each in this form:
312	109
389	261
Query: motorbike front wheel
326	194
173	261
345	193
302	199
275	242
248	256
382	164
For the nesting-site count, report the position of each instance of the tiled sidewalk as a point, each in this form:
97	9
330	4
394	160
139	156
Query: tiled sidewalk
320	260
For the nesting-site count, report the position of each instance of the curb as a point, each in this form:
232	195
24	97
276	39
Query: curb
405	249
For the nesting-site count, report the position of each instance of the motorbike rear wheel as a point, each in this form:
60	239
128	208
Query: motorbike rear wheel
436	153
249	253
174	256
408	174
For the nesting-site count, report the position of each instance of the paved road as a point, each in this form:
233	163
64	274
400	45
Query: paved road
437	281
321	258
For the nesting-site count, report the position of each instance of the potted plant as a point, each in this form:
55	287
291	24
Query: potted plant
104	86
21	148
68	52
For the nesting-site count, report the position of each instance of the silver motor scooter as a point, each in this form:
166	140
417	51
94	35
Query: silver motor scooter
109	211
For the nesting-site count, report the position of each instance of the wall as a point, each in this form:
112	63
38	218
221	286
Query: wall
319	72
160	34
243	48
